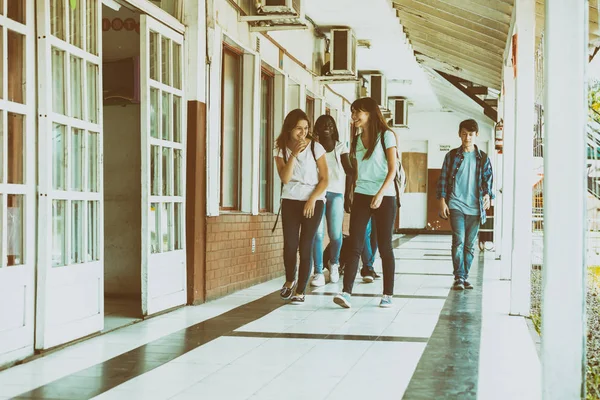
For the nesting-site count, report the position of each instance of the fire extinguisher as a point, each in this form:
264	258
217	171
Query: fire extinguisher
499	136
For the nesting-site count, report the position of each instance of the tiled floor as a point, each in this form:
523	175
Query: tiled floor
433	344
119	312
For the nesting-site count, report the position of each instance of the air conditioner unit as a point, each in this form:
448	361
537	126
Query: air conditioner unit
400	108
343	52
378	86
292	7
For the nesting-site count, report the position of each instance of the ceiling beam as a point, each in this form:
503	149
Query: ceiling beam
491	102
487	110
460	59
433	63
443	40
433	26
478	90
486	8
457	16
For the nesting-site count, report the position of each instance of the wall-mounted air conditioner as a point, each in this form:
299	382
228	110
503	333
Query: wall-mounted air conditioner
378	89
343	52
292	7
400	108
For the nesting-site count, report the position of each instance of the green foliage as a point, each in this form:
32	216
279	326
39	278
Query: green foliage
594	99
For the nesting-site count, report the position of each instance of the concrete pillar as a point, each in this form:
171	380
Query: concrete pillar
508	168
523	162
563	304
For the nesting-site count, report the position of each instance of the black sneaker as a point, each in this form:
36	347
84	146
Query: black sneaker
286	292
467	285
458	285
368	275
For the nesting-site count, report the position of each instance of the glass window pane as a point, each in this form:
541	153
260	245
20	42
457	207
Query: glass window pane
57	18
16	10
92	26
77	212
93	158
166	218
154	228
154	56
177	119
59	232
166	118
92	97
166	172
178	178
177	65
76	87
154	113
155	170
265	112
76	25
58	81
77	156
93	251
16	67
15	219
166	61
59	165
16	148
178	228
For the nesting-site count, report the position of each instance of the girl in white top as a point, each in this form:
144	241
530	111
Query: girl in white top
338	163
303	171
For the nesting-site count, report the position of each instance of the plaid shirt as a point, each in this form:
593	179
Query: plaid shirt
485	177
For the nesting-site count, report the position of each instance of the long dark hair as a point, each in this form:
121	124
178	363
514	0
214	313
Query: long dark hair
335	135
376	125
289	123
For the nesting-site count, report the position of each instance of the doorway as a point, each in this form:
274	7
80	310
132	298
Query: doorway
122	167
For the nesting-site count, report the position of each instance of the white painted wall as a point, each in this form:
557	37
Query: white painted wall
432	133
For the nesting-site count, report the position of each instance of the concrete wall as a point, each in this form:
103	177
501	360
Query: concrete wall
122	201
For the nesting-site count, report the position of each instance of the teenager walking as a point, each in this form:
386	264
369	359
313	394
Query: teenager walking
303	171
464	191
338	164
373	155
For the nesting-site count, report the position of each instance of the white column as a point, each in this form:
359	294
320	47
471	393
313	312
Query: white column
524	107
563	305
195	47
508	168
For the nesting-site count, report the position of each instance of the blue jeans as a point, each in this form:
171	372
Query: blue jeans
334	217
368	254
464	236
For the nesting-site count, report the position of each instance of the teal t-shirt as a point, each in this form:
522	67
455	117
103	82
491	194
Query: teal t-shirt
464	196
372	172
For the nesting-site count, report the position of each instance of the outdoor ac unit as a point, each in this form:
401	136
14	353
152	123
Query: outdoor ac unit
294	7
378	86
400	107
343	52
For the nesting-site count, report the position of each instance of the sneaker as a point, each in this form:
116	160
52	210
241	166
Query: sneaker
467	285
334	272
286	292
458	285
367	275
375	274
386	301
318	280
297	299
342	300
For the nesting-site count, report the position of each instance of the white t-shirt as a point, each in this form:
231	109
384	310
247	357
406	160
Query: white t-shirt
337	176
305	175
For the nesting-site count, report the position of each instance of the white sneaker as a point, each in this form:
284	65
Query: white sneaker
318	280
334	272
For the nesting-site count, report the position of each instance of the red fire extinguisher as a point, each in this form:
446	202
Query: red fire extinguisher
499	136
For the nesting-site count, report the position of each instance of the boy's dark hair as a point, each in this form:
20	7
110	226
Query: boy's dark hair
469	125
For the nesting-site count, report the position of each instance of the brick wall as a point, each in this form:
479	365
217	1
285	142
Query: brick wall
230	263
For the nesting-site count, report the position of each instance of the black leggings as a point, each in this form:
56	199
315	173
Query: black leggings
384	217
293	220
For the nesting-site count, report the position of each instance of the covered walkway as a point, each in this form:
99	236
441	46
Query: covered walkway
433	344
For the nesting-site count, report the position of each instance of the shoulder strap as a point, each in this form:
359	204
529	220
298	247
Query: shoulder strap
312	149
